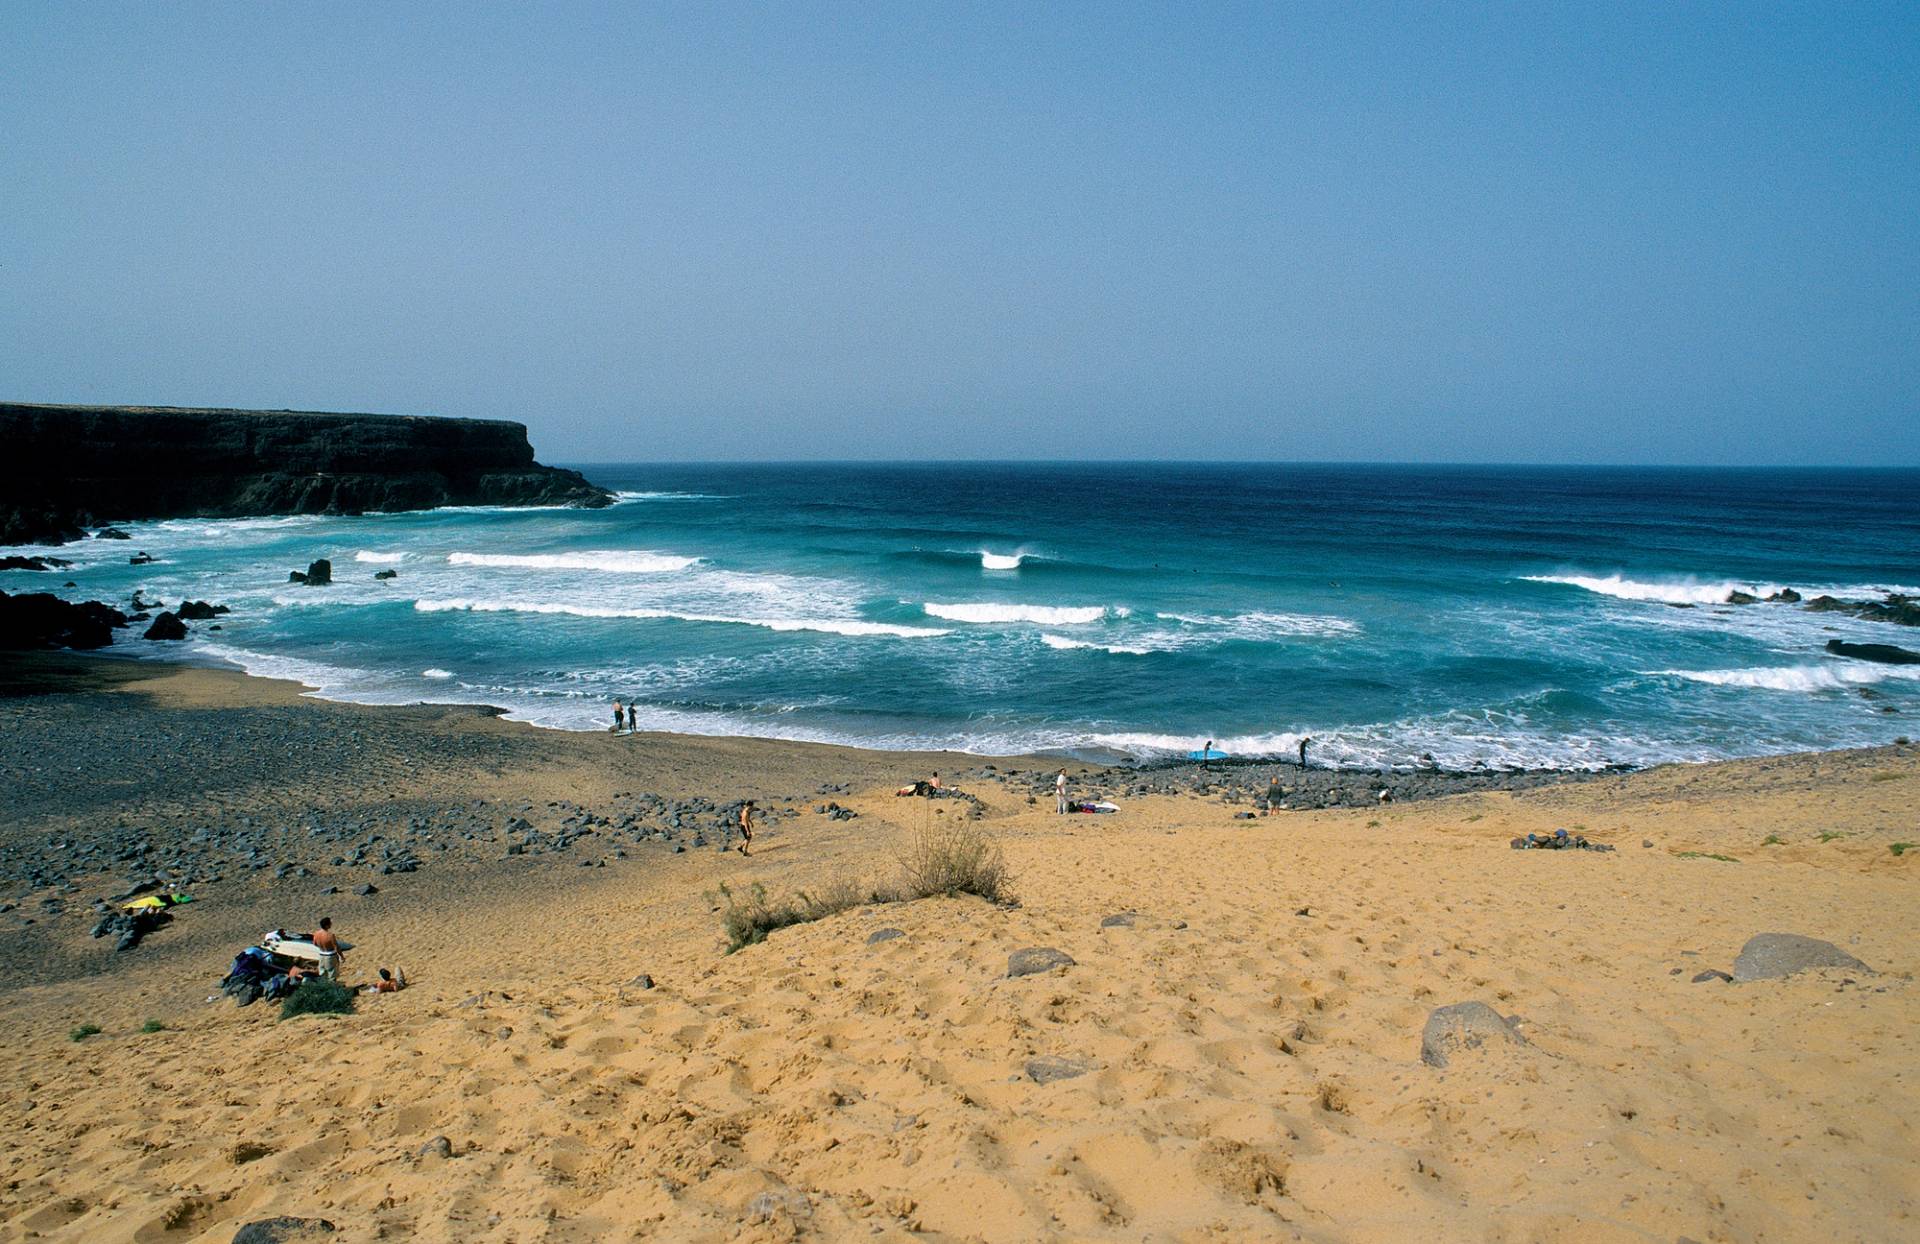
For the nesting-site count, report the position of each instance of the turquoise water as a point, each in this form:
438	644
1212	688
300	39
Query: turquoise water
1496	616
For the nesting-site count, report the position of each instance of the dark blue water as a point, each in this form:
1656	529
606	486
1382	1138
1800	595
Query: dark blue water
1502	616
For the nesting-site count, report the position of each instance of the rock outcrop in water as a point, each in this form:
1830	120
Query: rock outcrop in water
68	468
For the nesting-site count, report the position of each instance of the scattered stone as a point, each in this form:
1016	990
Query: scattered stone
248	1151
1119	920
1711	974
283	1230
438	1147
1047	1068
166	626
1036	959
141	559
386	574
368	890
1464	1026
1770	956
884	935
642	981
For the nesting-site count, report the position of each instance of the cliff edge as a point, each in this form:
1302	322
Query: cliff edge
66	468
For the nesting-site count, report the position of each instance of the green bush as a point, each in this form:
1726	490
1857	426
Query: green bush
318	996
1900	848
153	1025
949	859
83	1032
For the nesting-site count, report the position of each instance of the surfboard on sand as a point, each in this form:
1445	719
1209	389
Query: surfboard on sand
1206	753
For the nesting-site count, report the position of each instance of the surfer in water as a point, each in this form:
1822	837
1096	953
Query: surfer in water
746	827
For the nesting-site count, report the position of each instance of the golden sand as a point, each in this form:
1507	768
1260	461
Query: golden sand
1251	1041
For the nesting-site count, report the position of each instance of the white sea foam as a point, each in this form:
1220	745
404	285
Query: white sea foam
436	673
1796	677
1662	591
620	561
831	626
1045	615
1263	625
631	495
379	559
1001	561
1065	644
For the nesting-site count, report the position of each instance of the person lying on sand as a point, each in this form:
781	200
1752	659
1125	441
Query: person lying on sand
389	982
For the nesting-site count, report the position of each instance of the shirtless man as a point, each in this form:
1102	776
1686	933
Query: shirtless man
324	941
746	827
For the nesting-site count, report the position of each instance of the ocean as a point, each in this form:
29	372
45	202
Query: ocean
1481	616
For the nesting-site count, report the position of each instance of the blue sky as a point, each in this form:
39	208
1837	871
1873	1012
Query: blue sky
1582	233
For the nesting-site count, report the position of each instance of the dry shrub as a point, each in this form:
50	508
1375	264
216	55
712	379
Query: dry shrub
749	917
952	858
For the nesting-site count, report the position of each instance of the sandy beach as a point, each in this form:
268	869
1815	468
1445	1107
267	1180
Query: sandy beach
1234	1052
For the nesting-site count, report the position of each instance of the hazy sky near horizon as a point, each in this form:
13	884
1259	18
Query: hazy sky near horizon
1532	232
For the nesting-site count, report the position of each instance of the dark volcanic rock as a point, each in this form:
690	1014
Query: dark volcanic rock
1464	1026
884	935
111	533
283	1230
1035	959
31	563
1769	956
166	626
1886	654
64	464
386	574
1898	609
1047	1068
319	574
142	559
200	611
42	620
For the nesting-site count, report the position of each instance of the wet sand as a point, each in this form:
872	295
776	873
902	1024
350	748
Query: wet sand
1247	1043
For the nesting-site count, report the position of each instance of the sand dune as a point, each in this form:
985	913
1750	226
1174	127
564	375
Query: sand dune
1249	1044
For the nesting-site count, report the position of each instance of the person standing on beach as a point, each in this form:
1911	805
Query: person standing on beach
632	719
1304	740
1060	791
618	714
746	827
1206	754
329	947
1274	793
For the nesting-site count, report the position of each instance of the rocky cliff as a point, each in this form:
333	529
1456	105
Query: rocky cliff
65	468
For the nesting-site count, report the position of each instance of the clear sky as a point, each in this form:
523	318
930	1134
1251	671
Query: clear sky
1584	233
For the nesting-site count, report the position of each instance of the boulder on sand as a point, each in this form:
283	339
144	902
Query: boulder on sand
1036	959
1770	956
1464	1026
283	1230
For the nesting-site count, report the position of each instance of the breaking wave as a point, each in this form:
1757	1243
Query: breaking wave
1262	625
436	673
830	626
1132	650
379	558
1045	615
1001	561
614	560
1665	591
1795	677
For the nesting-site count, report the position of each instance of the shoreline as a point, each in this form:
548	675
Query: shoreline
1119	760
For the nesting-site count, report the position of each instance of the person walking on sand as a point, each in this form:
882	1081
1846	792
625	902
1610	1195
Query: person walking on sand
1274	794
1304	740
1060	791
746	827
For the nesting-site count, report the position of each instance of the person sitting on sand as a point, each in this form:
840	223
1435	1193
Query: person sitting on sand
389	982
746	827
934	781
